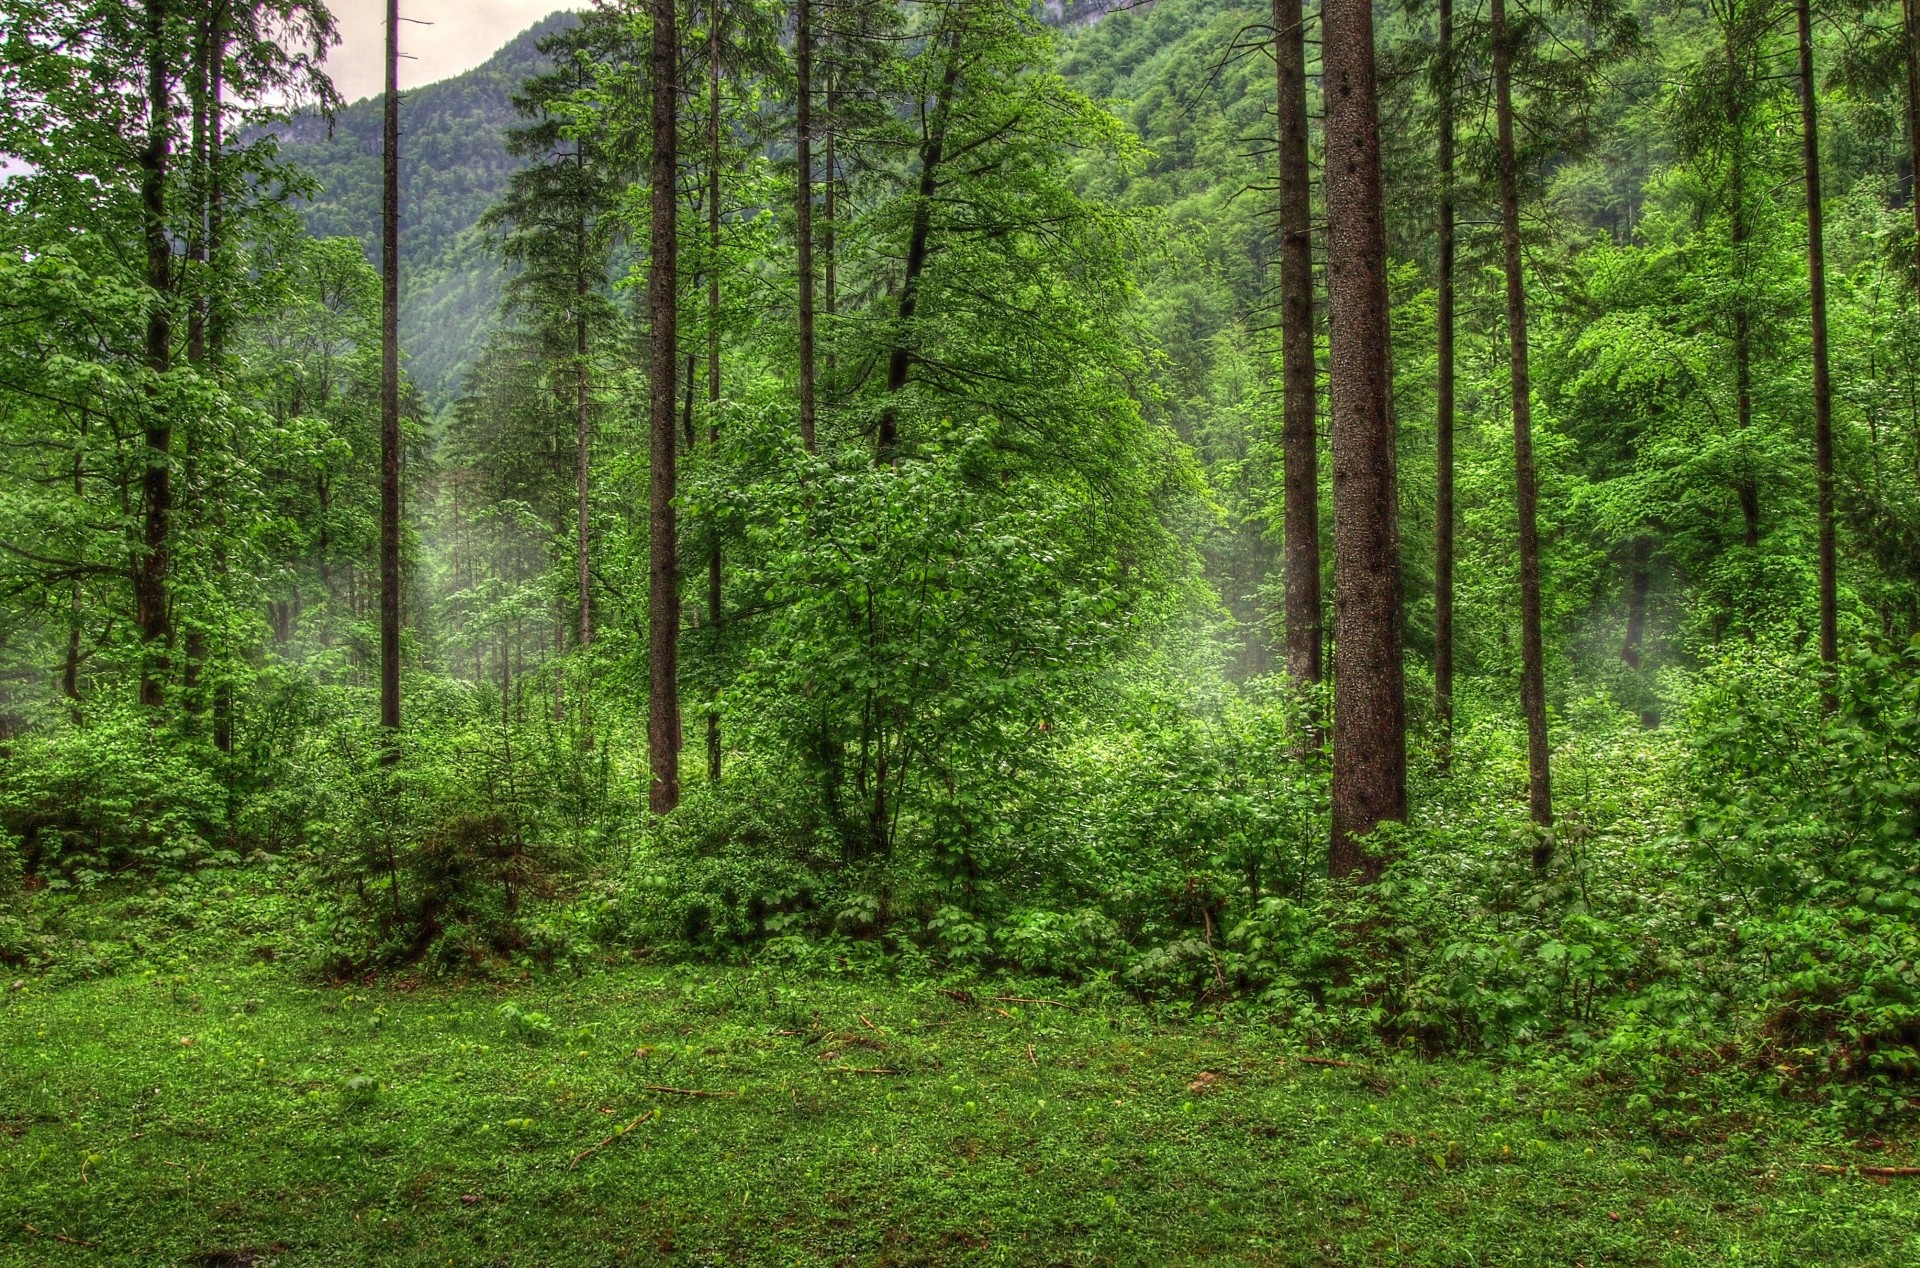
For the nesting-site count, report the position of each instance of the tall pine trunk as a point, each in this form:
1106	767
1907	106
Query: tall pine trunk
1910	26
156	486
1443	511
1299	441
1533	691
663	596
1369	712
803	209
714	611
390	395
1822	383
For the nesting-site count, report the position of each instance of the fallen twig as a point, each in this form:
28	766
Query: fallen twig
600	1144
961	997
1035	1061
869	1025
1826	1169
684	1091
855	1069
61	1237
1327	1061
1028	999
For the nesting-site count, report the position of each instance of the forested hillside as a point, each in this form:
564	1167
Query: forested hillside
454	165
1374	534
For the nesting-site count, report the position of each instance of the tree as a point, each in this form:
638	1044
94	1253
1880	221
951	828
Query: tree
1445	87
803	207
1300	566
663	303
1822	381
390	393
1369	707
1533	688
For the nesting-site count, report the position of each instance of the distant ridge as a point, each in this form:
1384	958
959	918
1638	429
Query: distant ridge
453	166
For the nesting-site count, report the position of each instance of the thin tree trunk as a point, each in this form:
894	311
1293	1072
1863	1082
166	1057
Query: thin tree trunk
70	667
1443	511
663	616
1822	383
1299	438
714	614
829	246
216	318
150	572
803	209
390	396
1533	691
1910	15
1369	719
932	151
192	697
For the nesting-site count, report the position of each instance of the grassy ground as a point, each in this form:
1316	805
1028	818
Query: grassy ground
230	1116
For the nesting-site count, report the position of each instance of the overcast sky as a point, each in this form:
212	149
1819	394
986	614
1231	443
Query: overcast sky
464	34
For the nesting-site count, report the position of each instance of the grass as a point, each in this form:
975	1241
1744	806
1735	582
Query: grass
233	1116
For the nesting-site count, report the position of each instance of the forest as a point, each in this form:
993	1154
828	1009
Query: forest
954	631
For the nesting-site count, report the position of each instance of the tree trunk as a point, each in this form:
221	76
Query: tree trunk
1910	17
803	209
932	150
663	616
216	318
1369	719
714	615
1822	384
1443	512
390	396
1299	440
156	488
1533	691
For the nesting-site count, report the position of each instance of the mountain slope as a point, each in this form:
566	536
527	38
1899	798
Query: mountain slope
453	166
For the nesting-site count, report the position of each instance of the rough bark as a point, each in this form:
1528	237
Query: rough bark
663	616
1822	382
1533	692
1910	20
390	394
156	486
803	209
1369	720
1299	439
1443	511
714	611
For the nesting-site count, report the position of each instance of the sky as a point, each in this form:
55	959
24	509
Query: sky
464	34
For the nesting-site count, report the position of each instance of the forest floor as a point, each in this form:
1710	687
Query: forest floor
232	1115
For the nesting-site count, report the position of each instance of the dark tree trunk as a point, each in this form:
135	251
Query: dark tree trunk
199	84
714	613
156	487
663	616
216	313
1910	17
1299	439
1369	712
1822	384
1533	691
803	209
390	395
932	150
1443	512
